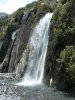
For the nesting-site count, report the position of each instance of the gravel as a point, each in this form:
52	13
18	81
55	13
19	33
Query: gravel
10	91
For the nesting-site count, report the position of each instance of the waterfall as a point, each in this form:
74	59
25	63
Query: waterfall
38	48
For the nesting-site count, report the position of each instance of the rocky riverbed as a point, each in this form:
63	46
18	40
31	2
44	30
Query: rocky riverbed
10	91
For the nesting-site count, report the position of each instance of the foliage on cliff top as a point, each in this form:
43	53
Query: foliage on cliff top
16	17
63	21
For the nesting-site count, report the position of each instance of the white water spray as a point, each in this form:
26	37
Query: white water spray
38	49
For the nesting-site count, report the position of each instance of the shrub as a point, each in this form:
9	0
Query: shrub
67	58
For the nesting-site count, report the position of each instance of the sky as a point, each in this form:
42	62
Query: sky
9	6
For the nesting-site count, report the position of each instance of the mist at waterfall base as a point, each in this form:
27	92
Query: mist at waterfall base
38	48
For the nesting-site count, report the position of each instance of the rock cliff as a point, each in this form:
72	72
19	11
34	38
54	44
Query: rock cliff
15	35
16	29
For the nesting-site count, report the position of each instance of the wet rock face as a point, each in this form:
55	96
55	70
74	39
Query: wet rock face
21	41
15	42
7	41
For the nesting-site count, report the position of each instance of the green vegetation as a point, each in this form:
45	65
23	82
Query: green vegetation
64	24
16	17
67	58
3	27
63	32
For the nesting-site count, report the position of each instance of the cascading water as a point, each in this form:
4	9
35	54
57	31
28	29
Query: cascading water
38	48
